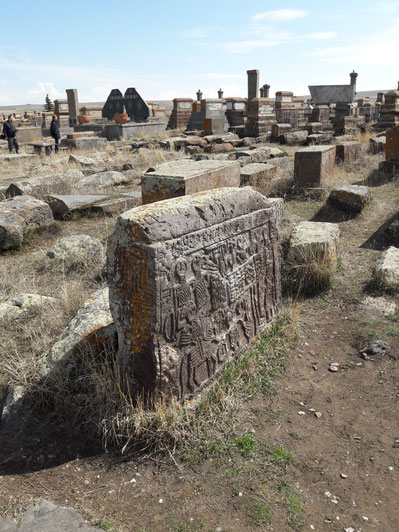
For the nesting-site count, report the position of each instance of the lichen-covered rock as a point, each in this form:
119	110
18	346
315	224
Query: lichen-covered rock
77	250
21	303
80	159
101	180
91	328
387	267
350	198
45	516
20	215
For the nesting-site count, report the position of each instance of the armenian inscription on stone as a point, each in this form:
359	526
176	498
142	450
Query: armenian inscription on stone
192	281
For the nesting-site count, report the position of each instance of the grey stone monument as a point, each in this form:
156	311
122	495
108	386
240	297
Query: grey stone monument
253	84
73	106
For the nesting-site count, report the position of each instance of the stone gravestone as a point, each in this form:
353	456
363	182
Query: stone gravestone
136	107
253	84
73	106
192	281
113	105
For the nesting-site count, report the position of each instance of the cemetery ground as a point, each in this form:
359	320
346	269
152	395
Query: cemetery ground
284	442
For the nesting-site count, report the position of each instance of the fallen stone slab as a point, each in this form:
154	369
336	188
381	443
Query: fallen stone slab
219	147
350	198
77	250
117	205
377	144
294	138
45	516
80	159
186	176
102	180
316	139
87	143
256	174
17	157
192	281
37	186
229	138
20	215
387	268
64	205
347	151
258	155
314	241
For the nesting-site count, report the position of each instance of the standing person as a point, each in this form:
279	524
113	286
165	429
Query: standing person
9	132
55	132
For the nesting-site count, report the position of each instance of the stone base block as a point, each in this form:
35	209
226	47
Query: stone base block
314	241
348	151
183	177
387	267
390	166
87	143
377	144
313	165
256	174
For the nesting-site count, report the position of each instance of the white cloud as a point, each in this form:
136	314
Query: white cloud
379	49
273	39
280	15
38	93
322	35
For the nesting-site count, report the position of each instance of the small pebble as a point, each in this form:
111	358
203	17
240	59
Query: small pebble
334	367
301	413
240	494
365	518
343	475
219	529
318	414
312	527
327	494
390	468
160	501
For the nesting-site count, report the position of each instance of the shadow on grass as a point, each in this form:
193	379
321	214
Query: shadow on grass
376	178
381	239
328	213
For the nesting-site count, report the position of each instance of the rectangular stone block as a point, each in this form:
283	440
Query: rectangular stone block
192	281
348	151
256	174
313	165
392	143
183	177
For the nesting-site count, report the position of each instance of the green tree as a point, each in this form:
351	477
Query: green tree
48	104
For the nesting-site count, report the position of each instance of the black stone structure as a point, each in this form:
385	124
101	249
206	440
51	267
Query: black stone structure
135	106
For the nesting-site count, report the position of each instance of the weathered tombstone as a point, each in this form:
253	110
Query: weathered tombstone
314	165
289	109
253	84
185	176
192	281
113	105
136	107
235	111
389	111
73	106
213	112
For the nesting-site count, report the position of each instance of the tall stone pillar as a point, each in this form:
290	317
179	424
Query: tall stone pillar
73	106
253	84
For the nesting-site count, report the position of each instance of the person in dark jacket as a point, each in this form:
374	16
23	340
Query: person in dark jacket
55	132
9	132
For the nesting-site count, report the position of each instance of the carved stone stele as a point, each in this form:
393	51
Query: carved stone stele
192	281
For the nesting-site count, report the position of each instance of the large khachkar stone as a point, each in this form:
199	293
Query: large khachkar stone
192	281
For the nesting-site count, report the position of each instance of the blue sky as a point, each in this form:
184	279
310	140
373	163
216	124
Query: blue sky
170	49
